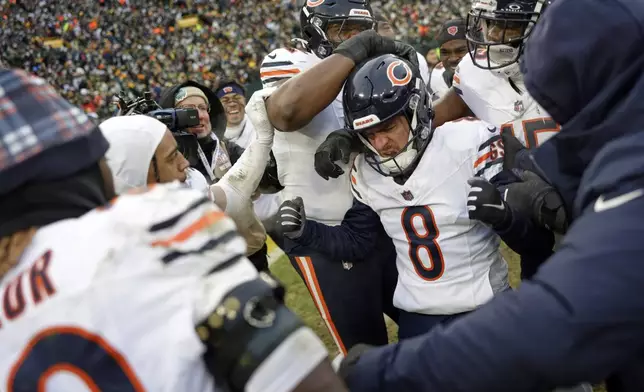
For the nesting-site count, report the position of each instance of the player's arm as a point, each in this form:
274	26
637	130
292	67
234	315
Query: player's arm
353	239
580	319
451	105
487	202
233	192
297	101
301	98
248	335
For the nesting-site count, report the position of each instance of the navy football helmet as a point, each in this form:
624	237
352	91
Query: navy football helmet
376	92
496	31
323	20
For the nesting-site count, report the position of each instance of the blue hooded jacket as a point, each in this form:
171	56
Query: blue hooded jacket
581	318
590	80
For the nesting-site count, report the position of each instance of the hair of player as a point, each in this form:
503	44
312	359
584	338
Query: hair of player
12	247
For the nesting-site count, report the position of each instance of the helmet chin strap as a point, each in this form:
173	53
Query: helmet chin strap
500	54
403	159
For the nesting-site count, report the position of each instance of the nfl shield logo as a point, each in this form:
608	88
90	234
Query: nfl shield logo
407	195
518	106
452	30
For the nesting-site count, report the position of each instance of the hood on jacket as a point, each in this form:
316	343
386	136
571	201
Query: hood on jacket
217	113
133	142
588	84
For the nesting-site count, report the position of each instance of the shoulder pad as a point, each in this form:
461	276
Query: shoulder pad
172	217
465	134
284	63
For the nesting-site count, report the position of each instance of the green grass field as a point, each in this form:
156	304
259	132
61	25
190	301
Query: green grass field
299	300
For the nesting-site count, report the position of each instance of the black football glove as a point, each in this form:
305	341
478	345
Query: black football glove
291	218
511	147
369	44
485	204
353	355
338	146
536	198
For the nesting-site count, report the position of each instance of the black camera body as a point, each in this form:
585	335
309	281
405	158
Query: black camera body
175	119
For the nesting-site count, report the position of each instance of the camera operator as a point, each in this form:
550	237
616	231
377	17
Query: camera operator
203	144
205	148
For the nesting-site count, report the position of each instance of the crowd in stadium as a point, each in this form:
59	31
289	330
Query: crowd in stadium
137	45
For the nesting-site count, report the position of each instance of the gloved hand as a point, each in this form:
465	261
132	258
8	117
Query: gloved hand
256	112
511	147
353	355
338	146
485	204
291	218
369	44
536	198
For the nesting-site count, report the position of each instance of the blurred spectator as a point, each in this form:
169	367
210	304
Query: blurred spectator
107	46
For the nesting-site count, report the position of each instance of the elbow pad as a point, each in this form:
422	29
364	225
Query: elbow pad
248	325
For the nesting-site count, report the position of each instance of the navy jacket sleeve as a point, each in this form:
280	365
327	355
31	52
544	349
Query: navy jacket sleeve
352	240
534	244
579	319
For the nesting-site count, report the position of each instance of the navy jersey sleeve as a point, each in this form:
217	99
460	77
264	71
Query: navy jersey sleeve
352	240
579	319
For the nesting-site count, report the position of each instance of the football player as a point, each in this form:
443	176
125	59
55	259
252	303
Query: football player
489	84
582	316
414	181
452	47
305	109
150	291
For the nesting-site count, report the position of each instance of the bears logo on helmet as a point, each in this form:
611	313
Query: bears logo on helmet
452	30
391	73
314	3
228	90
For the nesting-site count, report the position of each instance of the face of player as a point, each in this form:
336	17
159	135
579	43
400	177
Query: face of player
170	163
452	52
503	32
235	106
195	102
389	138
337	32
386	30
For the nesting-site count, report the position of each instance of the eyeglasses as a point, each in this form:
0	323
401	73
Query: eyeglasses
201	108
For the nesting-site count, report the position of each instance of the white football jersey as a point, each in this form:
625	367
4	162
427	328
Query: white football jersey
437	84
493	99
447	263
423	67
110	300
324	201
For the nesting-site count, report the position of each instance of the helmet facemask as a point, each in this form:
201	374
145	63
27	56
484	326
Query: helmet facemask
323	34
495	39
418	115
